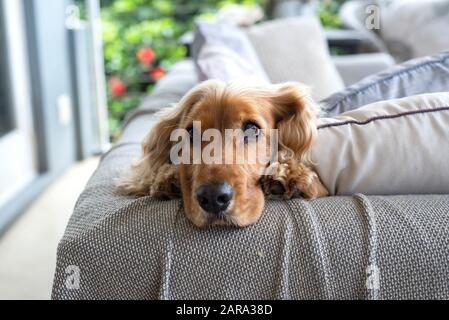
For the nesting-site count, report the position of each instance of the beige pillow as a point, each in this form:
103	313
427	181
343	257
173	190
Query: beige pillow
222	51
389	147
414	28
295	49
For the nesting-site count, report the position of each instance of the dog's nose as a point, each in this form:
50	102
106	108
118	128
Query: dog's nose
214	197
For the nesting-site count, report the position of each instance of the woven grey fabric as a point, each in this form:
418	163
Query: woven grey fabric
422	75
146	249
355	247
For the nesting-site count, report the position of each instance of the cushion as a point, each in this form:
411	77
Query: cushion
422	75
222	51
355	67
415	28
390	147
295	49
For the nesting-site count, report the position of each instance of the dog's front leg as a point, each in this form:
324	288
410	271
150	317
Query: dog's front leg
292	179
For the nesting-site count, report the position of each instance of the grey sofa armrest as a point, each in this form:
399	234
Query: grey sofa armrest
353	68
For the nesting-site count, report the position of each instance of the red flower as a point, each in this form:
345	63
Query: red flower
157	73
145	55
118	87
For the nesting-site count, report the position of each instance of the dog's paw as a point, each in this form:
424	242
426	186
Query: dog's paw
300	185
273	181
272	189
292	180
303	181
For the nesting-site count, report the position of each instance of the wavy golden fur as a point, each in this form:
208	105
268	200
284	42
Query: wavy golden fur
286	107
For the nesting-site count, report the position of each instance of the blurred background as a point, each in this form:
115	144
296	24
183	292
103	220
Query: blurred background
143	38
70	71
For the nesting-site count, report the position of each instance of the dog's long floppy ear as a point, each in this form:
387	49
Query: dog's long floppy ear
295	114
143	175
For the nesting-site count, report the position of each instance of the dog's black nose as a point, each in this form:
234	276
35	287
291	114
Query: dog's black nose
214	197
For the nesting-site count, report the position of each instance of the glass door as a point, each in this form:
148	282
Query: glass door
17	148
6	110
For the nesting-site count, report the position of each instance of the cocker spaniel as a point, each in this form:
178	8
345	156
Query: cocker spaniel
230	192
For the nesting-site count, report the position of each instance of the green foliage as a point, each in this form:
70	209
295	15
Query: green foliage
328	13
128	26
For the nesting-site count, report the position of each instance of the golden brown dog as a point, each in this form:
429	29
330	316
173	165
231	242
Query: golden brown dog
232	193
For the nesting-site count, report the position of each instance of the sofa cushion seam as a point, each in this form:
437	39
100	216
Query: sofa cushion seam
389	78
382	117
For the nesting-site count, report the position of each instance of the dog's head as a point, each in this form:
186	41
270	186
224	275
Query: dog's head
225	189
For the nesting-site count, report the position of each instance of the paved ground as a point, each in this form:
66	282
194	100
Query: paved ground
28	249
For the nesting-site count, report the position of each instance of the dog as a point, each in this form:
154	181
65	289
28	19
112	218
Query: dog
231	193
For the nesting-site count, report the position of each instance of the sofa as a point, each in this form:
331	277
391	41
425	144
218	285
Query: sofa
401	28
356	246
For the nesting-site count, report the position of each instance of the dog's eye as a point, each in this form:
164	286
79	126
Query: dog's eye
251	131
190	132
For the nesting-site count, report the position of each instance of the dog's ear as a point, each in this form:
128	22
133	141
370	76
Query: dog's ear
142	177
295	114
